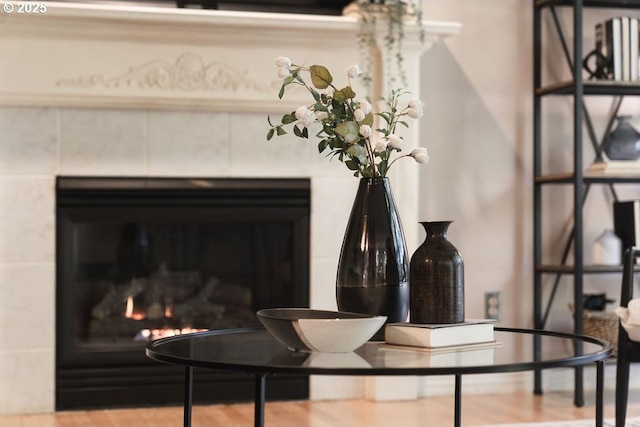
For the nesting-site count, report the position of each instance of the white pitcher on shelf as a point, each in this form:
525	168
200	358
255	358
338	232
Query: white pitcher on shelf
607	249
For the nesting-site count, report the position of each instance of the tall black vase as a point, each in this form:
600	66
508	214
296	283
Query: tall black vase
373	270
437	278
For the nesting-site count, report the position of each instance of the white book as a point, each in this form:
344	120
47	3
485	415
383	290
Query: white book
613	39
634	51
471	331
615	167
626	48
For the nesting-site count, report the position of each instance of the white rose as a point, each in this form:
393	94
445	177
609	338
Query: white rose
283	72
365	130
381	145
320	116
414	113
394	141
283	62
353	71
301	112
420	155
359	115
309	119
415	103
365	106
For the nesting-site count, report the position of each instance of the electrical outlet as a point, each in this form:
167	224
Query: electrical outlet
493	305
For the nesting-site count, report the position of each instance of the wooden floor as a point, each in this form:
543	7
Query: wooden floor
427	412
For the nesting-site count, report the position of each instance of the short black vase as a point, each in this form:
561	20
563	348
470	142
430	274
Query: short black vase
436	278
373	270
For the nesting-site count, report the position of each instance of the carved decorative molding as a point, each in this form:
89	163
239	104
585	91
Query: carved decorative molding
189	72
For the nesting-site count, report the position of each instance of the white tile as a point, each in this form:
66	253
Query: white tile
27	381
323	284
102	142
331	202
28	138
188	144
27	305
253	155
27	220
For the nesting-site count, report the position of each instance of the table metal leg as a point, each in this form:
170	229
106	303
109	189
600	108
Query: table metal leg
457	415
259	397
599	393
188	395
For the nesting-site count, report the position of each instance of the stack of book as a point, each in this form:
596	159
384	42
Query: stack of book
617	41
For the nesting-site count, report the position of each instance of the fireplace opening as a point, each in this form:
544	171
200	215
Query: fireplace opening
143	258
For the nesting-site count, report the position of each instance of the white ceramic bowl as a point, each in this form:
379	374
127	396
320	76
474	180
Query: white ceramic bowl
305	329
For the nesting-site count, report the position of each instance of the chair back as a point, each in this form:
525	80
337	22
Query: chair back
628	264
630	349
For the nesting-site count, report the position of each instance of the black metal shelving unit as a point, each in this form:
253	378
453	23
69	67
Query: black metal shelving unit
578	180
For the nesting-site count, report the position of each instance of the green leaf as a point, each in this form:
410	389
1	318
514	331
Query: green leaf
352	165
368	120
297	132
343	94
358	151
349	131
322	145
305	133
280	130
385	116
270	134
382	167
404	124
288	118
281	93
320	76
348	92
315	95
288	80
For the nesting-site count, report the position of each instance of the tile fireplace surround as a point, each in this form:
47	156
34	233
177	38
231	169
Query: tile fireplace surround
125	91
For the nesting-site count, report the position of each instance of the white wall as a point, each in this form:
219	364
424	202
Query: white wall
478	127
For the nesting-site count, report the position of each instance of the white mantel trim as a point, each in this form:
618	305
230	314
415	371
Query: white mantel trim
31	73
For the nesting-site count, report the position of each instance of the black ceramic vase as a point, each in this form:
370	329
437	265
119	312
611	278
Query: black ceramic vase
373	269
437	278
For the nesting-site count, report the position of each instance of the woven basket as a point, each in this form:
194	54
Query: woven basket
602	325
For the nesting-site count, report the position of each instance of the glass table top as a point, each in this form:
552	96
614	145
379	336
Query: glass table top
256	351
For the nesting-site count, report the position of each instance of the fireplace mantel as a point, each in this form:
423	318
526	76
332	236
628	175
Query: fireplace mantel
83	55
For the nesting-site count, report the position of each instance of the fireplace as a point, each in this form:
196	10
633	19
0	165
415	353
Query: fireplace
141	258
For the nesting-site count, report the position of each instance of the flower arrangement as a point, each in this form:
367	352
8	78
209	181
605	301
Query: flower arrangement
347	125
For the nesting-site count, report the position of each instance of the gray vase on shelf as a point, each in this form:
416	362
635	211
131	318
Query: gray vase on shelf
623	143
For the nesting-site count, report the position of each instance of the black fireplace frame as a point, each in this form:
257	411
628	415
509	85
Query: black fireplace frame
118	378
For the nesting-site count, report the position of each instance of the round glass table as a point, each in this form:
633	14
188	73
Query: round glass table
256	352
